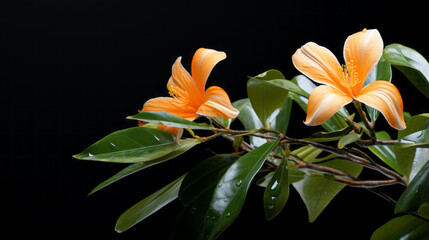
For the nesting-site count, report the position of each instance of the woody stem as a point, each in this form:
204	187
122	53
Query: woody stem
368	125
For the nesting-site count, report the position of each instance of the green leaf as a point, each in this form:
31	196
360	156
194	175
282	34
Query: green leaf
329	136
336	122
266	98
413	65
381	71
348	139
168	119
418	139
386	153
136	144
184	145
413	152
404	227
196	193
249	119
307	153
414	124
294	175
148	206
230	193
277	192
416	194
269	75
204	176
317	191
290	86
281	122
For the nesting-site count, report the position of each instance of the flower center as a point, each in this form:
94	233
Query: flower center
178	94
181	95
350	75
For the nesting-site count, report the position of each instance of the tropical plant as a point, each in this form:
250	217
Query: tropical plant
318	167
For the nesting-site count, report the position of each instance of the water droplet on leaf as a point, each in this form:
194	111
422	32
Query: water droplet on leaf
239	182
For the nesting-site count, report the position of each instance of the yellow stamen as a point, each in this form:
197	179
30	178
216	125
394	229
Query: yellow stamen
181	95
350	75
178	93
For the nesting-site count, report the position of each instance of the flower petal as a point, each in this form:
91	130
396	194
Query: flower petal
323	103
319	64
364	49
202	64
217	104
182	79
385	97
171	105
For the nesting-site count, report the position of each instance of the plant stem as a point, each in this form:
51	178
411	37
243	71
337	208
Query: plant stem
346	154
363	117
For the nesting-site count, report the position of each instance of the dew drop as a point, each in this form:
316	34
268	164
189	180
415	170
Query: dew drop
239	182
228	214
225	199
270	207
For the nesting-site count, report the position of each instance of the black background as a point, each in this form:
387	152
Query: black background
72	71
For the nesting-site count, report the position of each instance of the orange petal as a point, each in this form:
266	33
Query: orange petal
385	97
323	103
182	79
217	104
319	64
202	64
171	105
365	49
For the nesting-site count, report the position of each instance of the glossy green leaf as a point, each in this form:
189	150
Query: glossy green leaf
269	75
204	176
317	190
412	152
196	193
266	98
168	119
281	122
149	205
294	175
329	136
185	145
418	139
401	228
348	139
416	194
386	153
289	86
413	65
230	193
249	119
277	192
307	153
414	124
336	122
136	144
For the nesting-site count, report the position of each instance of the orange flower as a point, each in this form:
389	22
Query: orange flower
189	99
344	84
